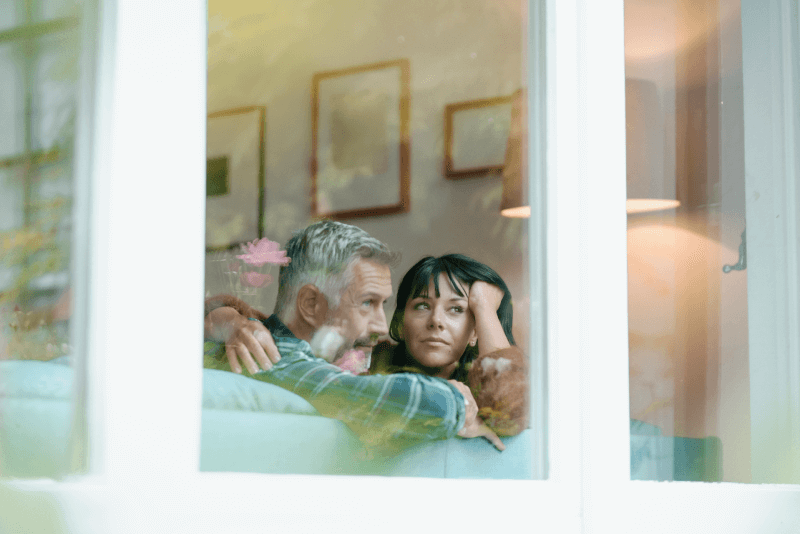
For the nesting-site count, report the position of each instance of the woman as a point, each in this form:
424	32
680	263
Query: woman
453	320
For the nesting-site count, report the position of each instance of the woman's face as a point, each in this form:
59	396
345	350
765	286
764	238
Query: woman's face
437	329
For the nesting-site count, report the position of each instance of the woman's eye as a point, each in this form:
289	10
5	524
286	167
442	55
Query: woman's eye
421	306
457	309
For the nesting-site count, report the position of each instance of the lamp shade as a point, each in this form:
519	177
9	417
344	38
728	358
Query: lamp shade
648	186
515	177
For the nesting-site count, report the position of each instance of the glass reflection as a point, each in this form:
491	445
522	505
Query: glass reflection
40	52
393	117
697	388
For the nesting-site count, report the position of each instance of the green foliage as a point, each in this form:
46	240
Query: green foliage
28	253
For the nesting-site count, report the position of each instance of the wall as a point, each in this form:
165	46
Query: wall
265	53
688	325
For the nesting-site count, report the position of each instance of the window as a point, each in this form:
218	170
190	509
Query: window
409	115
711	268
145	395
42	51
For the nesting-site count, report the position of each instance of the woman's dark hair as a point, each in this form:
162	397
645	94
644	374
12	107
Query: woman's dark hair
459	270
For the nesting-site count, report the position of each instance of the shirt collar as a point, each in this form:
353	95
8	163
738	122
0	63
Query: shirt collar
277	328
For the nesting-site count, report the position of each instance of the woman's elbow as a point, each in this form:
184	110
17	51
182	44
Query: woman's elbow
499	382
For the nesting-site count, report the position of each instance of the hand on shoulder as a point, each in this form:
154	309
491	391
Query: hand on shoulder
246	341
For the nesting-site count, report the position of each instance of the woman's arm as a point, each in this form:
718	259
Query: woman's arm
498	377
499	383
229	301
484	301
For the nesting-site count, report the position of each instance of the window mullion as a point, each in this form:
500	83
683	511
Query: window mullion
601	274
147	245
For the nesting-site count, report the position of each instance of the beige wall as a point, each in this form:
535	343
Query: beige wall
689	354
265	53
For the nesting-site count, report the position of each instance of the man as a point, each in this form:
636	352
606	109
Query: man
340	276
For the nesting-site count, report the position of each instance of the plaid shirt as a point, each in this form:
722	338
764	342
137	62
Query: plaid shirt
380	409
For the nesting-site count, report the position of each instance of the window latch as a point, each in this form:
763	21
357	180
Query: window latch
740	265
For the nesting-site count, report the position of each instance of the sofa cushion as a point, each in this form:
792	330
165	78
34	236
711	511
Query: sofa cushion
641	428
280	443
253	426
27	379
223	390
30	379
34	436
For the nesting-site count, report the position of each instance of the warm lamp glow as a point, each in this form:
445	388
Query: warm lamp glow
521	212
649	187
646	205
515	182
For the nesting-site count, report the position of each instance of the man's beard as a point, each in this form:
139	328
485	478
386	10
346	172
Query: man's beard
365	344
328	344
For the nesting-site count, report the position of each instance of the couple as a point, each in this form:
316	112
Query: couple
340	276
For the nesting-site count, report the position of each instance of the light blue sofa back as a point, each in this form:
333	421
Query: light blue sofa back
252	426
247	426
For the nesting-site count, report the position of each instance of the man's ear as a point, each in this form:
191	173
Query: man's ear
312	306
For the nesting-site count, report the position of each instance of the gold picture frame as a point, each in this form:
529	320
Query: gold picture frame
235	176
360	141
475	136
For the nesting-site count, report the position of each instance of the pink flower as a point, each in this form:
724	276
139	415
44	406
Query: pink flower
354	361
254	279
263	251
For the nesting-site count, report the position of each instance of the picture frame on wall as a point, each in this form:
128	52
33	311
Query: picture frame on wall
235	176
476	135
360	141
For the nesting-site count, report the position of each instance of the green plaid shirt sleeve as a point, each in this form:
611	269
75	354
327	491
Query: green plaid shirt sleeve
380	409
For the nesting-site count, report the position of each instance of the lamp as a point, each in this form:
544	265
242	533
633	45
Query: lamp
648	191
515	184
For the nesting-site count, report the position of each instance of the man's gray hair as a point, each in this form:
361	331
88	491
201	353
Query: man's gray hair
323	254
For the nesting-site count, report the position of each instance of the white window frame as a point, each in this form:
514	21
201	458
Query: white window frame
145	303
771	77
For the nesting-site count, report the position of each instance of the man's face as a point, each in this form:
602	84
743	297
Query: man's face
360	316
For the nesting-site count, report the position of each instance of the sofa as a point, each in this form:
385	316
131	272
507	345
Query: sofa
252	426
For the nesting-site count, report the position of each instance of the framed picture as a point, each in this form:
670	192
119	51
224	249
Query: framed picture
360	141
235	168
476	135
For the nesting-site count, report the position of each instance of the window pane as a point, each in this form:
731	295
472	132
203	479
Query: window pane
411	114
12	105
12	14
45	10
698	290
37	190
55	71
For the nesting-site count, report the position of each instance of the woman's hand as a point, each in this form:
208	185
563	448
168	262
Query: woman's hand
473	425
245	340
484	296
